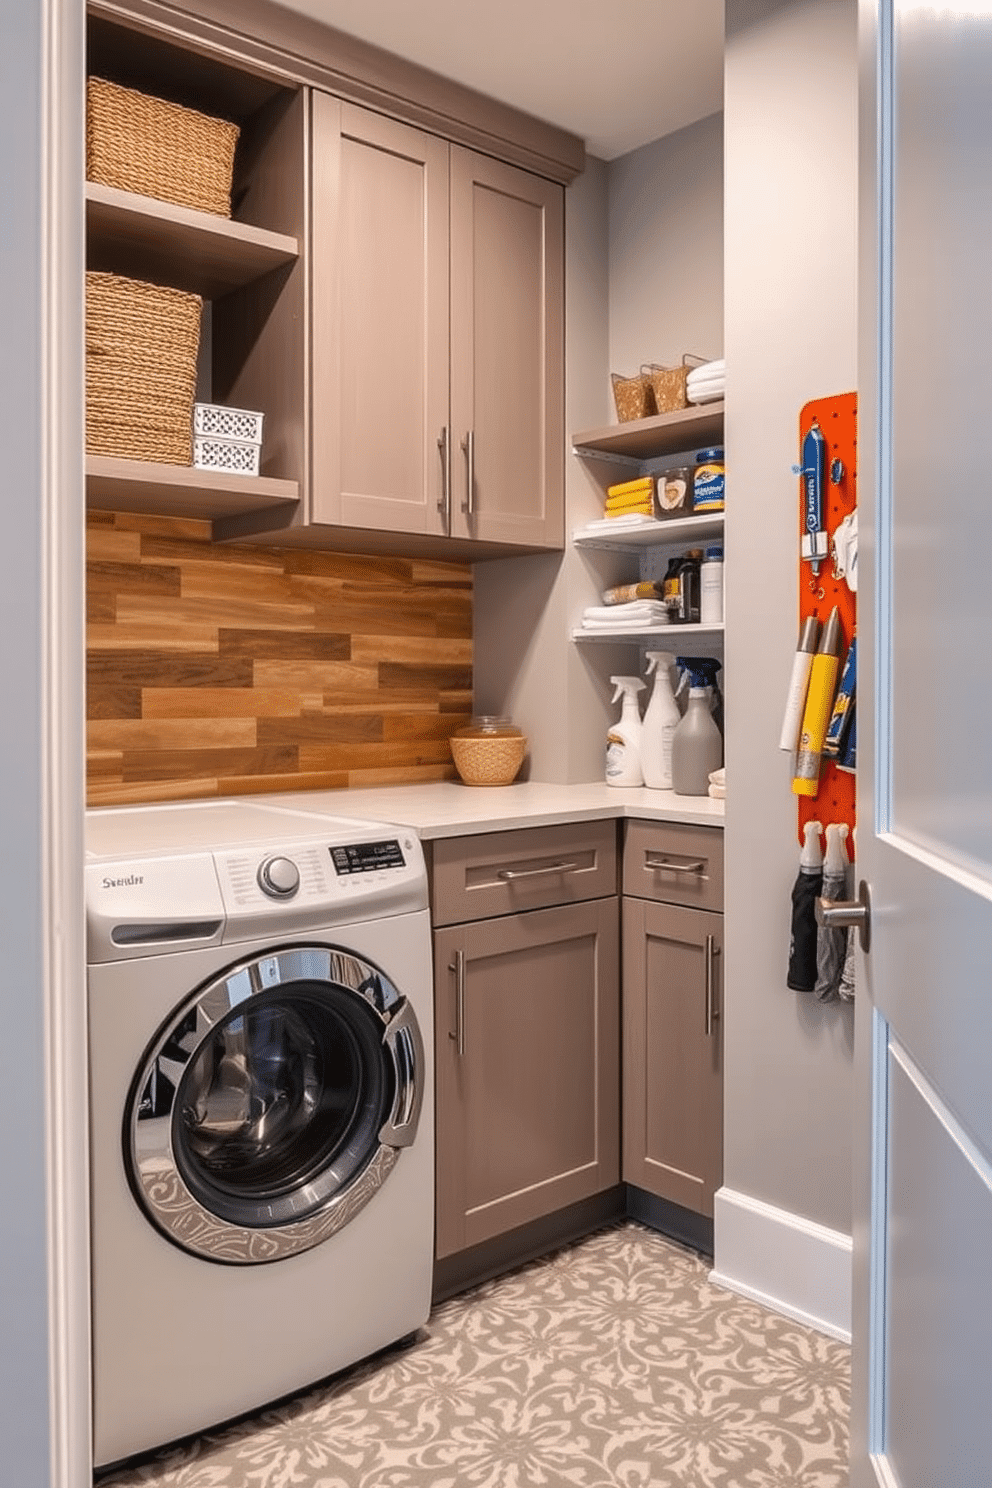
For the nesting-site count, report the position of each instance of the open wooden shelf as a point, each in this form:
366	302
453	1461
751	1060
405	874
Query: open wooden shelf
664	434
114	484
196	251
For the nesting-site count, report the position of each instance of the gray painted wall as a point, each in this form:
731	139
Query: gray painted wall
790	109
44	1400
666	248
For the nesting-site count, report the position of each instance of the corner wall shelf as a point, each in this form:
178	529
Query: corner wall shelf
652	534
647	439
676	636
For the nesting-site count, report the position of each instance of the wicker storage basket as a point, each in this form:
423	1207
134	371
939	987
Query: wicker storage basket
668	386
634	396
159	149
141	347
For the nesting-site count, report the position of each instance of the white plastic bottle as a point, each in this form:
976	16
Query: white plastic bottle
661	718
697	745
623	741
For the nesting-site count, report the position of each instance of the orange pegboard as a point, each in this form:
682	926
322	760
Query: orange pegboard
838	420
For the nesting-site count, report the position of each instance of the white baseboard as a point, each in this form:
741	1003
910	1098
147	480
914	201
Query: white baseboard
783	1261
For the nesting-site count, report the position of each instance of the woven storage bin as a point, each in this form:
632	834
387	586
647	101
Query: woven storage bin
668	386
141	347
634	396
159	149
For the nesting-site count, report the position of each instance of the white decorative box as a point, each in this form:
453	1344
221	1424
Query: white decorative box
214	421
232	455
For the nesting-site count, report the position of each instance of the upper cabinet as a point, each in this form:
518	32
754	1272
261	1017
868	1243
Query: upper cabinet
437	337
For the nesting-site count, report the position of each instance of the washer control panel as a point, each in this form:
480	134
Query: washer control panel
283	885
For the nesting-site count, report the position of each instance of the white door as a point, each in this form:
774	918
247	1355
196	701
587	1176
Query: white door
922	1414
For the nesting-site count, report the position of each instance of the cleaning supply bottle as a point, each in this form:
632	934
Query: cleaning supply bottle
623	742
708	666
697	746
831	941
661	718
802	972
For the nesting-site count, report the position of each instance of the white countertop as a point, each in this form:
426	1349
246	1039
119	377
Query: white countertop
450	809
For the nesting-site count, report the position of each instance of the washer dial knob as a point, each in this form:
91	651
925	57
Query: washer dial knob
279	878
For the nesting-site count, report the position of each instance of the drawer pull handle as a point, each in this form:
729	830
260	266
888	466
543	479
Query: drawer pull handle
459	1034
712	1010
509	874
651	860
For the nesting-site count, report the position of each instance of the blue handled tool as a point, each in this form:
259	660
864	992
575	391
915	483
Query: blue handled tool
812	470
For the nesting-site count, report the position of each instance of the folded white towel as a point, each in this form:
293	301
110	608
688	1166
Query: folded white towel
718	379
605	627
709	369
717	792
635	609
711	397
718	777
611	524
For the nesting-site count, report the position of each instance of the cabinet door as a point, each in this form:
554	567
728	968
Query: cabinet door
380	321
527	1068
672	1052
507	352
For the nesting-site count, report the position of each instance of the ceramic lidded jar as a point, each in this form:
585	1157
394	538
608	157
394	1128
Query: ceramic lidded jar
489	750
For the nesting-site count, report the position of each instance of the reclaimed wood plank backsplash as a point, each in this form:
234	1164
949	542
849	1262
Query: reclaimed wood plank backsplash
217	669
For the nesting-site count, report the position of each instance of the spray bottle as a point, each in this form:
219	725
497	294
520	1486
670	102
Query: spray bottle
661	718
697	745
623	741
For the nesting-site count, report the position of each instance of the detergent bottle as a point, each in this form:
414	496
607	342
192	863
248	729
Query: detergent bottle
661	717
697	745
623	741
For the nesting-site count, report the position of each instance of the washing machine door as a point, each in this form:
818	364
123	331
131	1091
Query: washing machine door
273	1105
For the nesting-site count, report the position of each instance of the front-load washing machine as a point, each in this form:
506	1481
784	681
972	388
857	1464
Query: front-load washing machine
261	1107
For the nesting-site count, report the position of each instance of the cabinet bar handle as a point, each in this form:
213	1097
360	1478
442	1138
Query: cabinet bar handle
444	505
459	1034
652	860
509	874
468	445
712	1011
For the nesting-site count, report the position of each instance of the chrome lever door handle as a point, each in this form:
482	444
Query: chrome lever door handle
837	914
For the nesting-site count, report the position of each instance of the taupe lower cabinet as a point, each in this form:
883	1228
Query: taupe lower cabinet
437	336
527	1028
672	1012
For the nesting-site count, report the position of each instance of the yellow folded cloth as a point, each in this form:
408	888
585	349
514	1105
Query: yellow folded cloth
624	503
643	483
645	508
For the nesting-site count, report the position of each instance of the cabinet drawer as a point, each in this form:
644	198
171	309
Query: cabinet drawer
500	873
674	864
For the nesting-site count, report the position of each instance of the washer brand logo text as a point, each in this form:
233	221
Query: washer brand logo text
123	883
